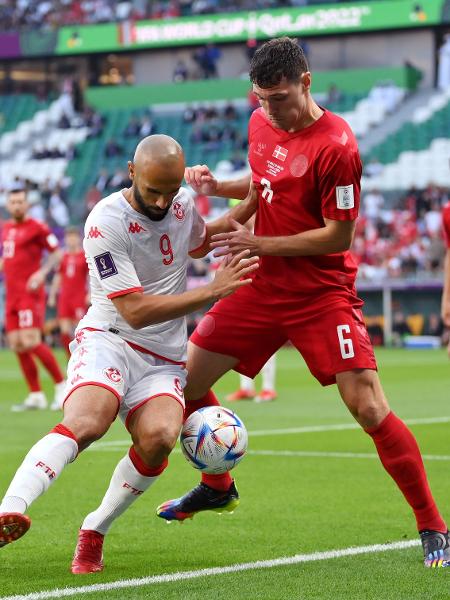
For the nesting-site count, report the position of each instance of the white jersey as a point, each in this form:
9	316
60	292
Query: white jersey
127	252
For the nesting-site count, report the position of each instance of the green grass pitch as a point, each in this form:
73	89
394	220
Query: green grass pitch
336	497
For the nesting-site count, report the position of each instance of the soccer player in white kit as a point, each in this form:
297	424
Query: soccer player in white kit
129	352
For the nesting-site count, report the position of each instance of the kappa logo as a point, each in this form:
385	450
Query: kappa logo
94	233
79	365
280	153
113	374
80	336
178	210
76	379
135	228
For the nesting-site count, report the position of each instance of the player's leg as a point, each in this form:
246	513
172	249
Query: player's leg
268	372
337	348
212	351
246	390
88	414
66	329
154	428
400	456
31	338
36	397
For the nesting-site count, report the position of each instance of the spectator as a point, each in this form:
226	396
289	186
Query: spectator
180	72
443	81
373	167
147	127
333	94
434	325
400	328
373	202
132	128
112	149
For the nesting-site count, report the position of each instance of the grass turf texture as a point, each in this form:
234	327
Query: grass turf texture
290	504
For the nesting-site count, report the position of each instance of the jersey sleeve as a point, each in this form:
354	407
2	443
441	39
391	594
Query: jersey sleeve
49	241
198	231
340	183
107	253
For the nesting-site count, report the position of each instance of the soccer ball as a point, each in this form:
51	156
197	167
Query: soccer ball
214	439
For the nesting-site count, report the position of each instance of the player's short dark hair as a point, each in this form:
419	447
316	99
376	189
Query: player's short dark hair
278	58
17	190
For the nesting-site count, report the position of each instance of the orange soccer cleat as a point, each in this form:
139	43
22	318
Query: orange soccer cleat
266	396
240	395
12	527
88	557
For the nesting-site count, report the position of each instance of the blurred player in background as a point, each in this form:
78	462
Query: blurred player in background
445	309
129	352
306	173
24	242
69	289
247	389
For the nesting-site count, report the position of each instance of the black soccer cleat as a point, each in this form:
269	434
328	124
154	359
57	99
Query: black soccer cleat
436	549
202	497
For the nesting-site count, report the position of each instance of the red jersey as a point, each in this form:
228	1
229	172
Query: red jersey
302	178
23	245
446	224
74	271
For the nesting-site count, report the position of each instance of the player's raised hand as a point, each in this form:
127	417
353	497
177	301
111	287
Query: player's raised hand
232	273
200	178
235	241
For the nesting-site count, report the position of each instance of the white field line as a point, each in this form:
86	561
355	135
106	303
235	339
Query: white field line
307	429
214	571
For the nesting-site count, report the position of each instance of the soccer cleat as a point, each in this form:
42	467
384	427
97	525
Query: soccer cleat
34	401
88	557
202	497
436	549
58	400
12	527
266	396
240	395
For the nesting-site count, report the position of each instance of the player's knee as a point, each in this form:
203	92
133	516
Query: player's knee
86	430
160	439
365	399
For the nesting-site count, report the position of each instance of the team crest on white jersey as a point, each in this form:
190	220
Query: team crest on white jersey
280	153
113	374
178	211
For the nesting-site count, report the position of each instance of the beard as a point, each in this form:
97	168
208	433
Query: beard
153	213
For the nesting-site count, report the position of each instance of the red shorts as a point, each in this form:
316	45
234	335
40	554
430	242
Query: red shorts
72	307
26	311
252	324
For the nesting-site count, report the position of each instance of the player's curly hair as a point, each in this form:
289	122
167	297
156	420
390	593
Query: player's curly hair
278	58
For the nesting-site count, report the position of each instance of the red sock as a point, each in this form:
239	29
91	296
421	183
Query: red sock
65	341
45	355
223	481
143	468
400	455
30	371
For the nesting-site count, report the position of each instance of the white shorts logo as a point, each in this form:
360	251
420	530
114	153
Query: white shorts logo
344	196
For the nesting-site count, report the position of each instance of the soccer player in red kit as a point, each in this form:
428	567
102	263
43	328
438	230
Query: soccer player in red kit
69	287
24	241
305	173
445	310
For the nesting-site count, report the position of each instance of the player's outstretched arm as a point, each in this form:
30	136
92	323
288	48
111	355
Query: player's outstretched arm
335	236
53	290
140	310
38	277
202	181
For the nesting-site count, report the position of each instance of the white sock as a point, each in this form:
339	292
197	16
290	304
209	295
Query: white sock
40	468
268	374
126	485
247	384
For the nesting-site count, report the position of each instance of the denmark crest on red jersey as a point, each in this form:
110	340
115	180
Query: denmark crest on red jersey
113	374
178	210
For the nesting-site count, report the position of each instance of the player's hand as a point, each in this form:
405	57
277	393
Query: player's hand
232	274
35	281
236	241
201	180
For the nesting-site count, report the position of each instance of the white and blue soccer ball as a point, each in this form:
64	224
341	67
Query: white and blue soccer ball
214	439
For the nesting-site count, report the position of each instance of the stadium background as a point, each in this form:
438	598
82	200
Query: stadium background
81	82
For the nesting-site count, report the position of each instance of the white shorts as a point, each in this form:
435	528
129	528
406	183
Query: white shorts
104	359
